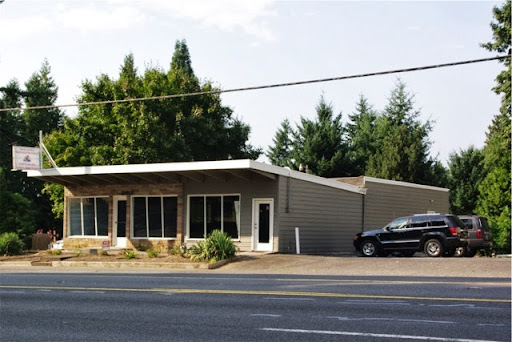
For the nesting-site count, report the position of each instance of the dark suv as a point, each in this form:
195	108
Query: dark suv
478	238
434	234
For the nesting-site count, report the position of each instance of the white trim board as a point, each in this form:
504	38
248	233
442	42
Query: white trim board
241	164
400	183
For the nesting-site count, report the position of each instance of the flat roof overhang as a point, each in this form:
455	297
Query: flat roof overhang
179	172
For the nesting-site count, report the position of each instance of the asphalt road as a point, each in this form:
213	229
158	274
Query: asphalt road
228	307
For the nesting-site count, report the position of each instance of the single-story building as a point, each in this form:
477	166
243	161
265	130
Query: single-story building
258	205
386	200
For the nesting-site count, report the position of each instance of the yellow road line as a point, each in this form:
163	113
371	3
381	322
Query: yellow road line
341	281
258	293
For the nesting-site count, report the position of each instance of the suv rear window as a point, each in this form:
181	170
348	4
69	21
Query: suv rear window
437	221
468	222
454	221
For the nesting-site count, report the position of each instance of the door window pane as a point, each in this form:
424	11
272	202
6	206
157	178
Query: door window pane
264	223
419	221
231	211
139	217
75	216
213	214
170	216
196	217
121	218
399	223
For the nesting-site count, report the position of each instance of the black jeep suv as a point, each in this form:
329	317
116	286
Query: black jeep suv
435	234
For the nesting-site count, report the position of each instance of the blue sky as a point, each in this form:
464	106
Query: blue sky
248	43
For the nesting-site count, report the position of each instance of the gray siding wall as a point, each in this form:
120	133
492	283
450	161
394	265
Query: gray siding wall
247	190
327	218
385	202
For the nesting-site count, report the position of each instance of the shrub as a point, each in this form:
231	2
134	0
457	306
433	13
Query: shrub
152	253
11	244
180	250
54	251
130	255
78	254
217	246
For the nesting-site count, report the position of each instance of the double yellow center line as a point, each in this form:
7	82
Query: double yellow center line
255	293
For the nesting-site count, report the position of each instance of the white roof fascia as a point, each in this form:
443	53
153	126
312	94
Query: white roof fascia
400	183
282	171
142	168
193	166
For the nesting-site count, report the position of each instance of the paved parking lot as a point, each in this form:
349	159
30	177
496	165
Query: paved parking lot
350	265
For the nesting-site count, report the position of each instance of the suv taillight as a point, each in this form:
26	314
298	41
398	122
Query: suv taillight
479	234
454	230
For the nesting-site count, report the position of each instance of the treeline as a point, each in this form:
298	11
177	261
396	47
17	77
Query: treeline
391	143
23	207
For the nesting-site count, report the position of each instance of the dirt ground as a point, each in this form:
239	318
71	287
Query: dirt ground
259	263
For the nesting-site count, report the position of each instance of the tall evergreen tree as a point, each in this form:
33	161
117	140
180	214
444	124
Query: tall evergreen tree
466	173
402	142
320	145
280	153
495	190
361	136
40	90
10	124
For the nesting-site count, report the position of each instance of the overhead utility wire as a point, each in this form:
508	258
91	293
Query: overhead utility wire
219	91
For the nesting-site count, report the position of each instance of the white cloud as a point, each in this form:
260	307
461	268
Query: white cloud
250	17
225	15
19	28
93	18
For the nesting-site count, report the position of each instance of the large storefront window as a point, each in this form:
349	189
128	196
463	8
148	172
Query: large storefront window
207	213
155	216
88	216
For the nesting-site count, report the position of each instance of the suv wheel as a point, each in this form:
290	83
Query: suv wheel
369	248
433	248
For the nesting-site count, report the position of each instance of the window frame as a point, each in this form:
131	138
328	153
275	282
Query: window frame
82	228
162	217
204	196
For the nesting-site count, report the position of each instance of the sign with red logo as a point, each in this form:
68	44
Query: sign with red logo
106	245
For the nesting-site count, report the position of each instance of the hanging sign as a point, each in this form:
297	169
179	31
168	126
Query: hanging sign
26	158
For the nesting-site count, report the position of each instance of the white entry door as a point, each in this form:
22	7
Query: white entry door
119	227
263	224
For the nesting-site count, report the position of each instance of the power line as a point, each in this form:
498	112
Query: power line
278	85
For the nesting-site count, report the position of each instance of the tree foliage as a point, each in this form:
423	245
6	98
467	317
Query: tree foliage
402	143
23	208
466	173
316	144
392	145
362	142
281	153
495	189
176	129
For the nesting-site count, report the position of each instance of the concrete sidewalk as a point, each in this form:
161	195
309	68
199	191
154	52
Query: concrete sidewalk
258	263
